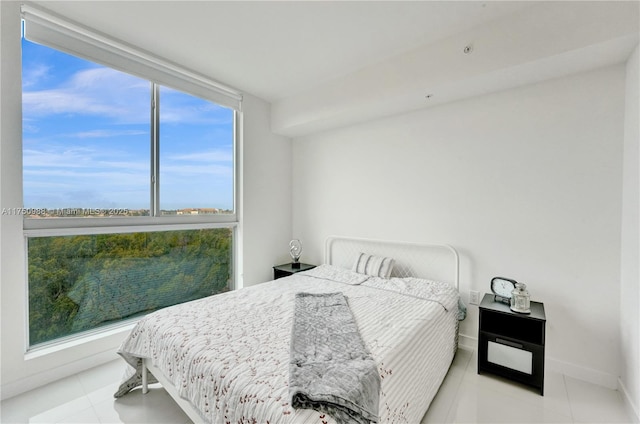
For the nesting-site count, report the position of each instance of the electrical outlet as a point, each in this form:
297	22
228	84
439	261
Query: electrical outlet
474	297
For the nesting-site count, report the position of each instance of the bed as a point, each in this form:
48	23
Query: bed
226	358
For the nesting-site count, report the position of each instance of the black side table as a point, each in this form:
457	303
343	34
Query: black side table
285	270
510	344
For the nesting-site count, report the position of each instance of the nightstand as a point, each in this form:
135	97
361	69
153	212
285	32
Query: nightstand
510	344
285	270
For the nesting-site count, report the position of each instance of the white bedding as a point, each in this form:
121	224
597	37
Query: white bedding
228	354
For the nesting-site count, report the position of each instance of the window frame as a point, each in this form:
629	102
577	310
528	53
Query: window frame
154	219
61	34
73	38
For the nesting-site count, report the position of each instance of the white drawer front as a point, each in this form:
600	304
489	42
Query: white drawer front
510	357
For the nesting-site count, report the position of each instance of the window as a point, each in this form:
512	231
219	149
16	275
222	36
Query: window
87	150
197	179
86	137
128	180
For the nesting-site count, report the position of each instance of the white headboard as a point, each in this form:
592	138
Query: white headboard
438	262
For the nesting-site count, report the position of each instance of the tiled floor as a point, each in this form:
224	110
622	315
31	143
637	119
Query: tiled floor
465	397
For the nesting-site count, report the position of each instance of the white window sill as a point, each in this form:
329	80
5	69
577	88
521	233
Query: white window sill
80	339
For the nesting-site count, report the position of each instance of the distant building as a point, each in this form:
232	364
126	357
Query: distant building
197	211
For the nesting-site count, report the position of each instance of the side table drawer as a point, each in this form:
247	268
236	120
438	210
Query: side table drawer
514	359
510	355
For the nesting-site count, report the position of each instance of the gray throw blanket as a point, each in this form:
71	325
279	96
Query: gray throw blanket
331	370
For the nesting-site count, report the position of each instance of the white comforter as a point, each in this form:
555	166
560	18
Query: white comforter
229	354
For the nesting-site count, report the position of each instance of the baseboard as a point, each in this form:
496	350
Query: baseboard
9	390
467	342
579	372
632	408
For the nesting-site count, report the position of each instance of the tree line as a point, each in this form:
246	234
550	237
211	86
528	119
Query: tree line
78	283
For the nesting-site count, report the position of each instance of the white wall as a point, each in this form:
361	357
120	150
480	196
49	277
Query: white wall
266	223
525	183
266	197
630	257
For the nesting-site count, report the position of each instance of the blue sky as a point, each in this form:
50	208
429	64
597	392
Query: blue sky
86	139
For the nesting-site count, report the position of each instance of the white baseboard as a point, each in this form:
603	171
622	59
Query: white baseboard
632	408
9	390
467	342
579	372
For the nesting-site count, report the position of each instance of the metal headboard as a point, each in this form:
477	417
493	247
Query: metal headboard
438	262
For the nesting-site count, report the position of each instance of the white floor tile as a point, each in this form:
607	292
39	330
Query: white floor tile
594	404
61	412
555	394
479	403
102	394
154	407
86	416
98	377
22	408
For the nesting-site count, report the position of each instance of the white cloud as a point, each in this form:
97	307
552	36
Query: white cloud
66	158
52	159
99	92
108	133
191	114
183	108
196	171
105	92
210	156
34	74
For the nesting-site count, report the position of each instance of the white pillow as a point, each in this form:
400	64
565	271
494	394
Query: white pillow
376	266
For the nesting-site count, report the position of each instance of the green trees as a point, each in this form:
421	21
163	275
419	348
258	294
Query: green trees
77	283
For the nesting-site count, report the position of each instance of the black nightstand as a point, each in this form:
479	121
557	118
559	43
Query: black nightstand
285	270
510	344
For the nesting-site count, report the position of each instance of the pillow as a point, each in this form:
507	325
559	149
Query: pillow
376	266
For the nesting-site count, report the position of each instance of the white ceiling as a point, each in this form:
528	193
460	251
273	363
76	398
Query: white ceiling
324	64
275	49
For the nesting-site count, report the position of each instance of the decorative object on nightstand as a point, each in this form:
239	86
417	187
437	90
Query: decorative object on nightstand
511	344
295	250
520	299
285	270
502	289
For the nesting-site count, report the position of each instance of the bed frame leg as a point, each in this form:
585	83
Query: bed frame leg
145	384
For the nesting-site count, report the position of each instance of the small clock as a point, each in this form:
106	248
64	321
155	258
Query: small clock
502	288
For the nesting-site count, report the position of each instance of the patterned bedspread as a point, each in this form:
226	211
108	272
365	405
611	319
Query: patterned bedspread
229	354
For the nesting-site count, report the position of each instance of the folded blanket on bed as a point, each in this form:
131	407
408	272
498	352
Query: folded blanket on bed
330	369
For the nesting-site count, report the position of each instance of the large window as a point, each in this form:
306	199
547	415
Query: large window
128	180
